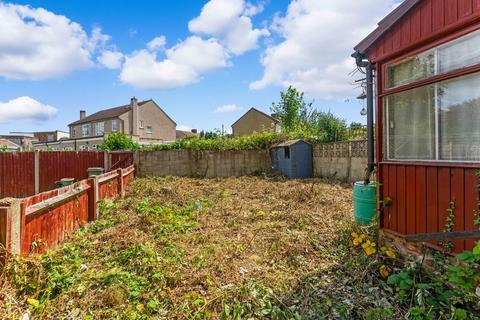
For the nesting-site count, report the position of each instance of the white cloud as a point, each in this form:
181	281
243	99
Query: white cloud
111	59
25	108
228	108
201	55
157	43
184	64
38	44
318	38
229	21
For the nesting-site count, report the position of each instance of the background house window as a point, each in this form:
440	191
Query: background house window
149	130
141	124
114	125
435	122
50	137
456	54
85	129
100	126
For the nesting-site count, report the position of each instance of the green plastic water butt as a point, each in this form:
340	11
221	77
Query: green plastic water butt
364	202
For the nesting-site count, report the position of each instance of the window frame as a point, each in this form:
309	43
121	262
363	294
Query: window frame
437	138
97	126
149	130
114	125
384	91
87	131
141	124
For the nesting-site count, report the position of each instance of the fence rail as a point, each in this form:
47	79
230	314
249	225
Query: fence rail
35	223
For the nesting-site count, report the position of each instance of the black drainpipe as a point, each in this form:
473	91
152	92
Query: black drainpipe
363	63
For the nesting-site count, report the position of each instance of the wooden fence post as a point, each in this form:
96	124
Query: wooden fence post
121	187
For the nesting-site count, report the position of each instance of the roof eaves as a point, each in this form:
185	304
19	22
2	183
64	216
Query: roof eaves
385	24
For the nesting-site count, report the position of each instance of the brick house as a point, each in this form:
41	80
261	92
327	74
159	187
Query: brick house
144	121
254	121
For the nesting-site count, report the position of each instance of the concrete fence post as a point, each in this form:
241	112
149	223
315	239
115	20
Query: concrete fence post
121	187
37	171
13	227
93	198
106	161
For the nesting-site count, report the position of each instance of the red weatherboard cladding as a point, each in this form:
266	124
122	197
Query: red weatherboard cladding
421	192
427	20
420	200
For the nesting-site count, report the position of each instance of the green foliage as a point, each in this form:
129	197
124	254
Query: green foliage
252	142
298	119
3	148
292	111
118	141
440	295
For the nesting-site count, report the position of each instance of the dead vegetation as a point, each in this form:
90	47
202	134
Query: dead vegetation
181	248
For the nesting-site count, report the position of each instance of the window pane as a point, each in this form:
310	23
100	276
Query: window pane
410	124
416	68
459	116
459	53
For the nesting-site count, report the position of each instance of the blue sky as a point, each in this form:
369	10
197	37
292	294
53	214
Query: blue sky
207	54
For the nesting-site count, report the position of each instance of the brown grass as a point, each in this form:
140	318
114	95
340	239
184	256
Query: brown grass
197	248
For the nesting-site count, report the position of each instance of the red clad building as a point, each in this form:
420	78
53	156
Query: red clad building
425	58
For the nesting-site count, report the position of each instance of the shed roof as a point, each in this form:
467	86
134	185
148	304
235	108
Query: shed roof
289	143
385	24
107	113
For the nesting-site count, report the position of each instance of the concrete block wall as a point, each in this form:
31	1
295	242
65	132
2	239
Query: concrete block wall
345	161
196	163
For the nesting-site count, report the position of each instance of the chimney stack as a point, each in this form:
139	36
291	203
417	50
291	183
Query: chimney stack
83	114
135	122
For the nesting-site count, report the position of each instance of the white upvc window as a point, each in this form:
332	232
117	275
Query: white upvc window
85	130
114	125
149	130
100	126
141	124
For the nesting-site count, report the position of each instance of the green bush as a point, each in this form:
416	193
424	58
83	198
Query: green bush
118	141
253	142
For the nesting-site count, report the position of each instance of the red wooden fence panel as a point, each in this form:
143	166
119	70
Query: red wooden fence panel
47	218
120	159
55	165
109	185
17	177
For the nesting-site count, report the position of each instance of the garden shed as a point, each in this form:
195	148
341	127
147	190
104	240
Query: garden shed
424	60
293	159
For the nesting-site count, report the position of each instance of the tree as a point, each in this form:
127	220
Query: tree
118	141
329	127
292	111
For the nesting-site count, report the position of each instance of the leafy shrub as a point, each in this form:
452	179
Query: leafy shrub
253	142
118	141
